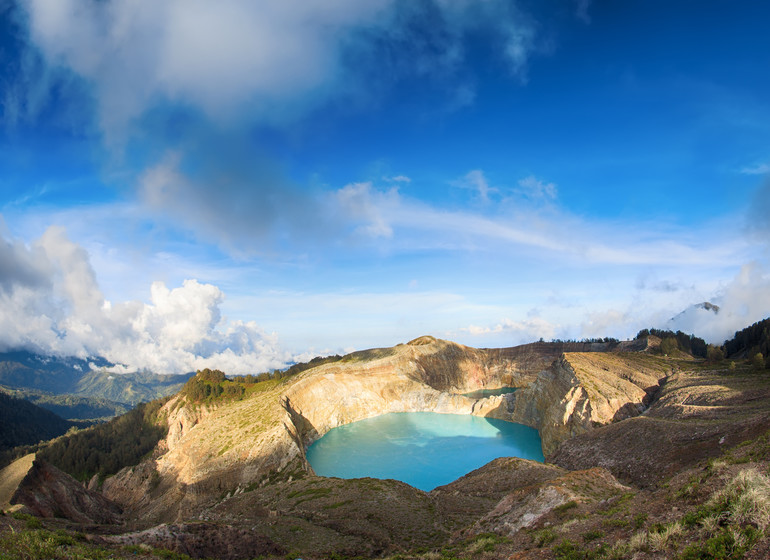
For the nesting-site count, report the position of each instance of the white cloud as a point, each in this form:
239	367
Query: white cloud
399	179
476	181
759	169
519	332
581	10
742	301
537	189
362	204
550	233
179	330
266	59
217	57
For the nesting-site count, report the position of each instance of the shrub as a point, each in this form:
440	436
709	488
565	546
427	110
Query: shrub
746	499
544	537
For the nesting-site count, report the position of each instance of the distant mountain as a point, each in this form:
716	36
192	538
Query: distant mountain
700	318
24	423
696	309
68	375
131	388
70	407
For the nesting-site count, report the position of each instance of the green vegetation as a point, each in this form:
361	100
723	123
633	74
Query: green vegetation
24	423
106	448
38	543
714	354
668	346
750	341
213	385
210	385
565	507
32	522
689	343
544	537
71	407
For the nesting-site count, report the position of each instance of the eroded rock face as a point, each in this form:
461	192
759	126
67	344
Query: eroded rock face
524	507
581	391
48	492
426	375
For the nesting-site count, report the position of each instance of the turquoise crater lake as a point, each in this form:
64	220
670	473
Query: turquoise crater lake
423	449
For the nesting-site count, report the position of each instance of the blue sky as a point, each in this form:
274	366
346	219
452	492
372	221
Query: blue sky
238	184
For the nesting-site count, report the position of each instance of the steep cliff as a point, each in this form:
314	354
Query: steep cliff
45	491
582	390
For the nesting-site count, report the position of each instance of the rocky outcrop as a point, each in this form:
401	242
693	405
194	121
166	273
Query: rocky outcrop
526	506
581	391
46	491
696	416
201	540
10	478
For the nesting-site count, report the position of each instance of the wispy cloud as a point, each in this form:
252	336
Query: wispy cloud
536	189
554	233
758	169
518	332
476	181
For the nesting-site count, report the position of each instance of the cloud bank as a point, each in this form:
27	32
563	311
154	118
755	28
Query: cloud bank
267	59
742	302
50	303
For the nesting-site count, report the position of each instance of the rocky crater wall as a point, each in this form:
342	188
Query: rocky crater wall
577	391
214	451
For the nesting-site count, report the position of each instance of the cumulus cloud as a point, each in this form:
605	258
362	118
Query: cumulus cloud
50	302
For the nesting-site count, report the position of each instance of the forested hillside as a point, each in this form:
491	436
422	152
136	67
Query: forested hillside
750	341
70	407
106	448
23	423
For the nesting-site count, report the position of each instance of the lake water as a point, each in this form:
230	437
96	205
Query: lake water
424	449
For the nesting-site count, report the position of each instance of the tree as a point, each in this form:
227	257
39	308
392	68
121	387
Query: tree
758	361
668	346
714	354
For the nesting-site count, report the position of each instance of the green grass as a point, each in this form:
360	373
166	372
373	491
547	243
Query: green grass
309	494
565	507
544	537
41	543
